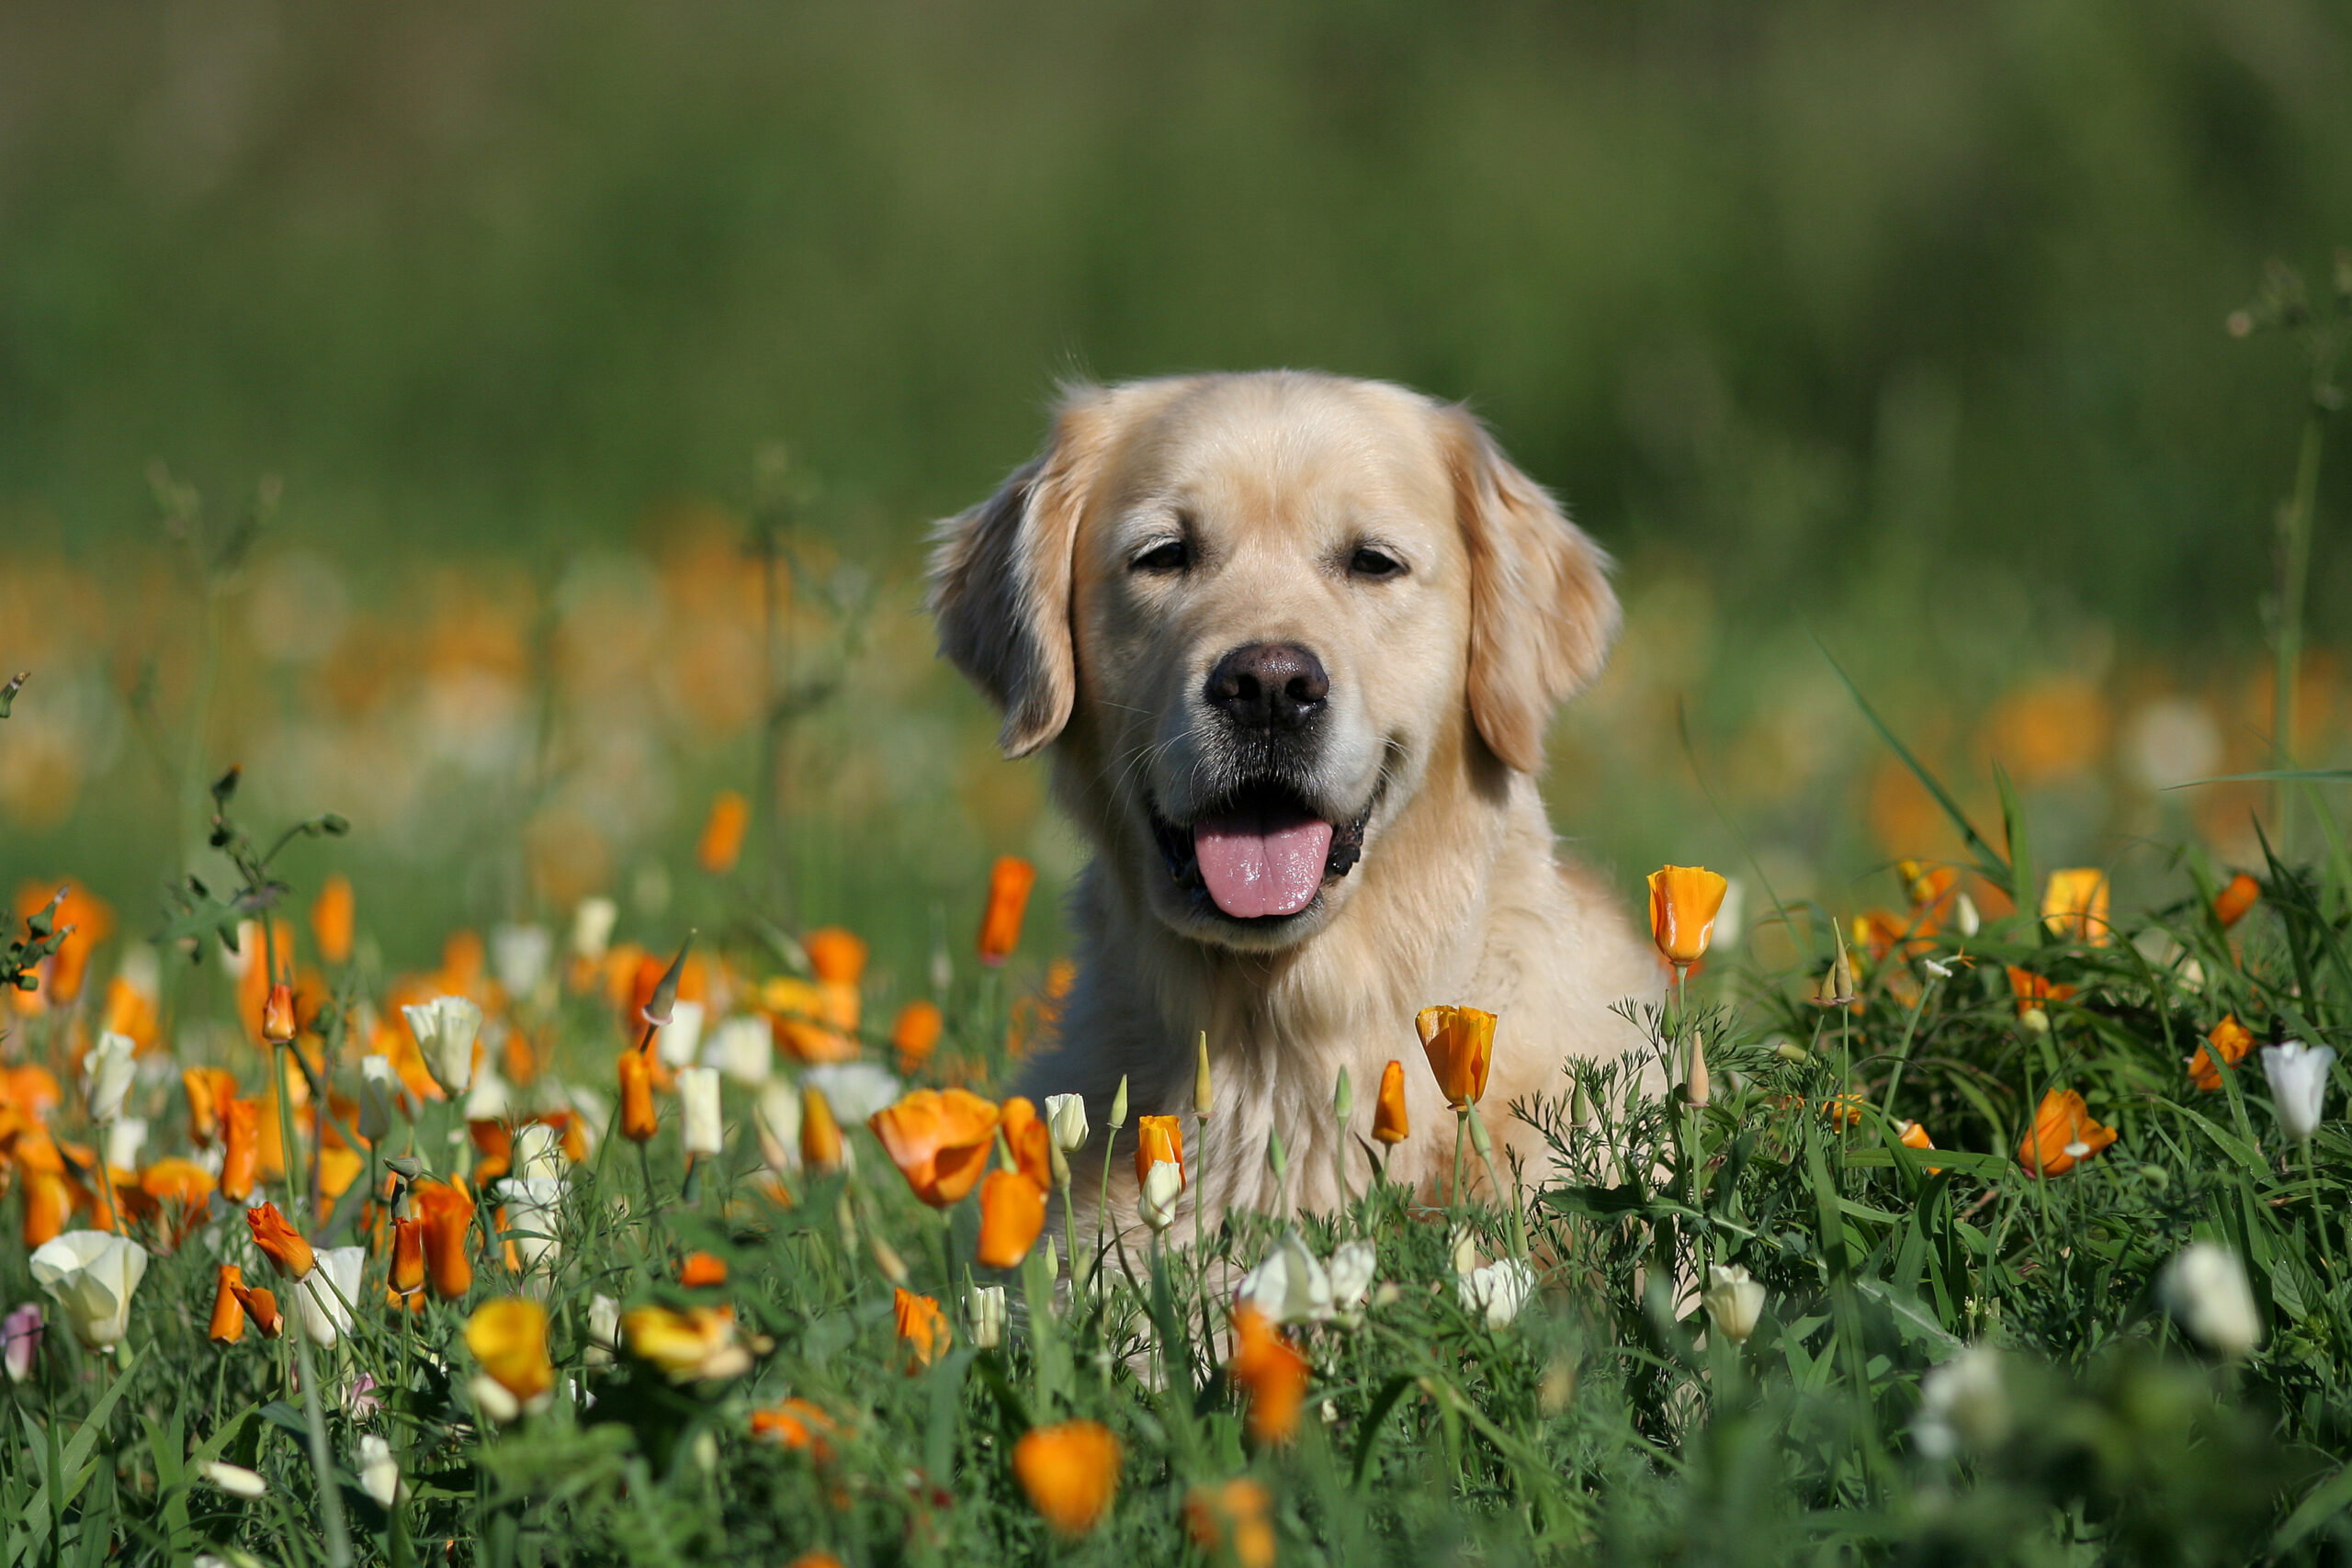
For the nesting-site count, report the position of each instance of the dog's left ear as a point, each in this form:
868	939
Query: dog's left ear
1541	613
1000	579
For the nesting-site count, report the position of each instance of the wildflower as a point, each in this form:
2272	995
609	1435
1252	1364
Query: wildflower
379	1474
331	918
235	1479
1288	1285
1271	1372
278	1025
448	1216
2297	1075
20	1333
1233	1515
744	1049
1684	901
1013	1213
2074	906
592	926
691	1346
2229	1038
1155	1199
916	1033
445	1030
820	1135
1009	880
701	1270
1845	1111
1913	1135
175	1193
1159	1140
1066	1116
640	1120
2064	1135
1389	1123
2204	1288
921	1326
1461	1045
534	1218
329	1290
408	1257
288	1254
984	1305
2030	990
2232	902
677	1038
798	1423
261	1305
106	1074
699	1113
722	844
91	1275
1498	1290
1070	1471
837	957
509	1339
208	1090
1733	1300
1032	1143
1353	1265
939	1139
1963	1401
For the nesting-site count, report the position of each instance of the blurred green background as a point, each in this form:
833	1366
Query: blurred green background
1903	322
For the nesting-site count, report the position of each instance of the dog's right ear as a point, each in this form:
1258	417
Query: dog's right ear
1000	579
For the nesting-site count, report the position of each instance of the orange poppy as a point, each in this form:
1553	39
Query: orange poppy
493	1140
130	1012
820	1135
1271	1370
701	1269
1684	901
509	1339
1009	880
721	844
1915	1136
1013	1213
798	1423
281	1242
1389	1123
2233	1039
2030	990
1233	1515
2074	906
448	1216
408	1257
261	1305
916	1034
2232	902
939	1139
241	1148
49	1203
228	1313
332	915
1031	1141
922	1327
174	1193
836	956
2064	1135
1461	1045
639	1119
208	1090
1157	1139
1070	1471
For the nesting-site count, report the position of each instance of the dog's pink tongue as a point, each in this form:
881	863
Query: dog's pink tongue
1256	865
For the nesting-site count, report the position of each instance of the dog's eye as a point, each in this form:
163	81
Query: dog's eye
1372	562
1175	555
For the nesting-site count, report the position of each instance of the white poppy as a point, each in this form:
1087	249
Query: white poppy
1353	1265
2297	1075
984	1305
744	1049
539	1152
855	1091
592	926
235	1479
698	1108
1963	1401
778	1116
1499	1290
535	1215
379	1474
106	1075
2205	1289
330	1290
126	1135
445	1030
90	1275
520	953
1733	1302
1163	1184
1066	1117
1288	1285
679	1041
604	1330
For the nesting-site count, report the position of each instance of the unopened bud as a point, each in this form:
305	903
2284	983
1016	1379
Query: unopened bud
665	994
1119	1104
1202	1098
1343	1098
278	1016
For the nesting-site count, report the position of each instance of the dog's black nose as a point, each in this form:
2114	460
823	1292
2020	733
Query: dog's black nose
1268	685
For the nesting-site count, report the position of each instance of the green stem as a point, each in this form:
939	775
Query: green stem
321	1456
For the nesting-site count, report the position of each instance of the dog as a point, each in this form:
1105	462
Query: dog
1293	642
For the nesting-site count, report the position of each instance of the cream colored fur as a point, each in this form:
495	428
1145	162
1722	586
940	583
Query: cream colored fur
1443	683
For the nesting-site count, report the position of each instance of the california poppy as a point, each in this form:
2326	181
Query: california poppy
261	1307
174	1193
835	956
2030	990
2074	905
2233	1039
1009	880
922	1327
1389	1123
1013	1213
277	1024
331	918
2232	902
692	1346
228	1323
1158	1139
640	1120
1234	1516
721	844
49	1203
939	1139
509	1337
1031	1141
448	1216
1070	1472
701	1269
1684	901
2064	1135
281	1242
240	1148
408	1257
820	1135
916	1034
1270	1370
208	1090
1461	1045
798	1423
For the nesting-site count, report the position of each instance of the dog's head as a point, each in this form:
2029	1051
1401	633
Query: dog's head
1252	609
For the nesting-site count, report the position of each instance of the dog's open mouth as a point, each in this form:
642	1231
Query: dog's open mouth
1262	852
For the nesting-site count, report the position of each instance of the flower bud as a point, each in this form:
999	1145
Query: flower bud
984	1305
1066	1118
1733	1300
1162	1186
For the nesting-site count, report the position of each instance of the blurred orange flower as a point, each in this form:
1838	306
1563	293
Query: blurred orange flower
798	1423
88	918
701	1270
916	1035
228	1323
2229	1037
2063	1133
1232	1516
331	918
209	1091
174	1195
640	1120
449	1215
820	1135
1009	880
2074	906
922	1327
408	1257
130	1012
1032	1143
1070	1471
2230	904
2030	990
1013	1213
1461	1045
1271	1370
939	1139
722	844
835	956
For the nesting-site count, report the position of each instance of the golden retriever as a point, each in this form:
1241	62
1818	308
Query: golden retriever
1295	641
